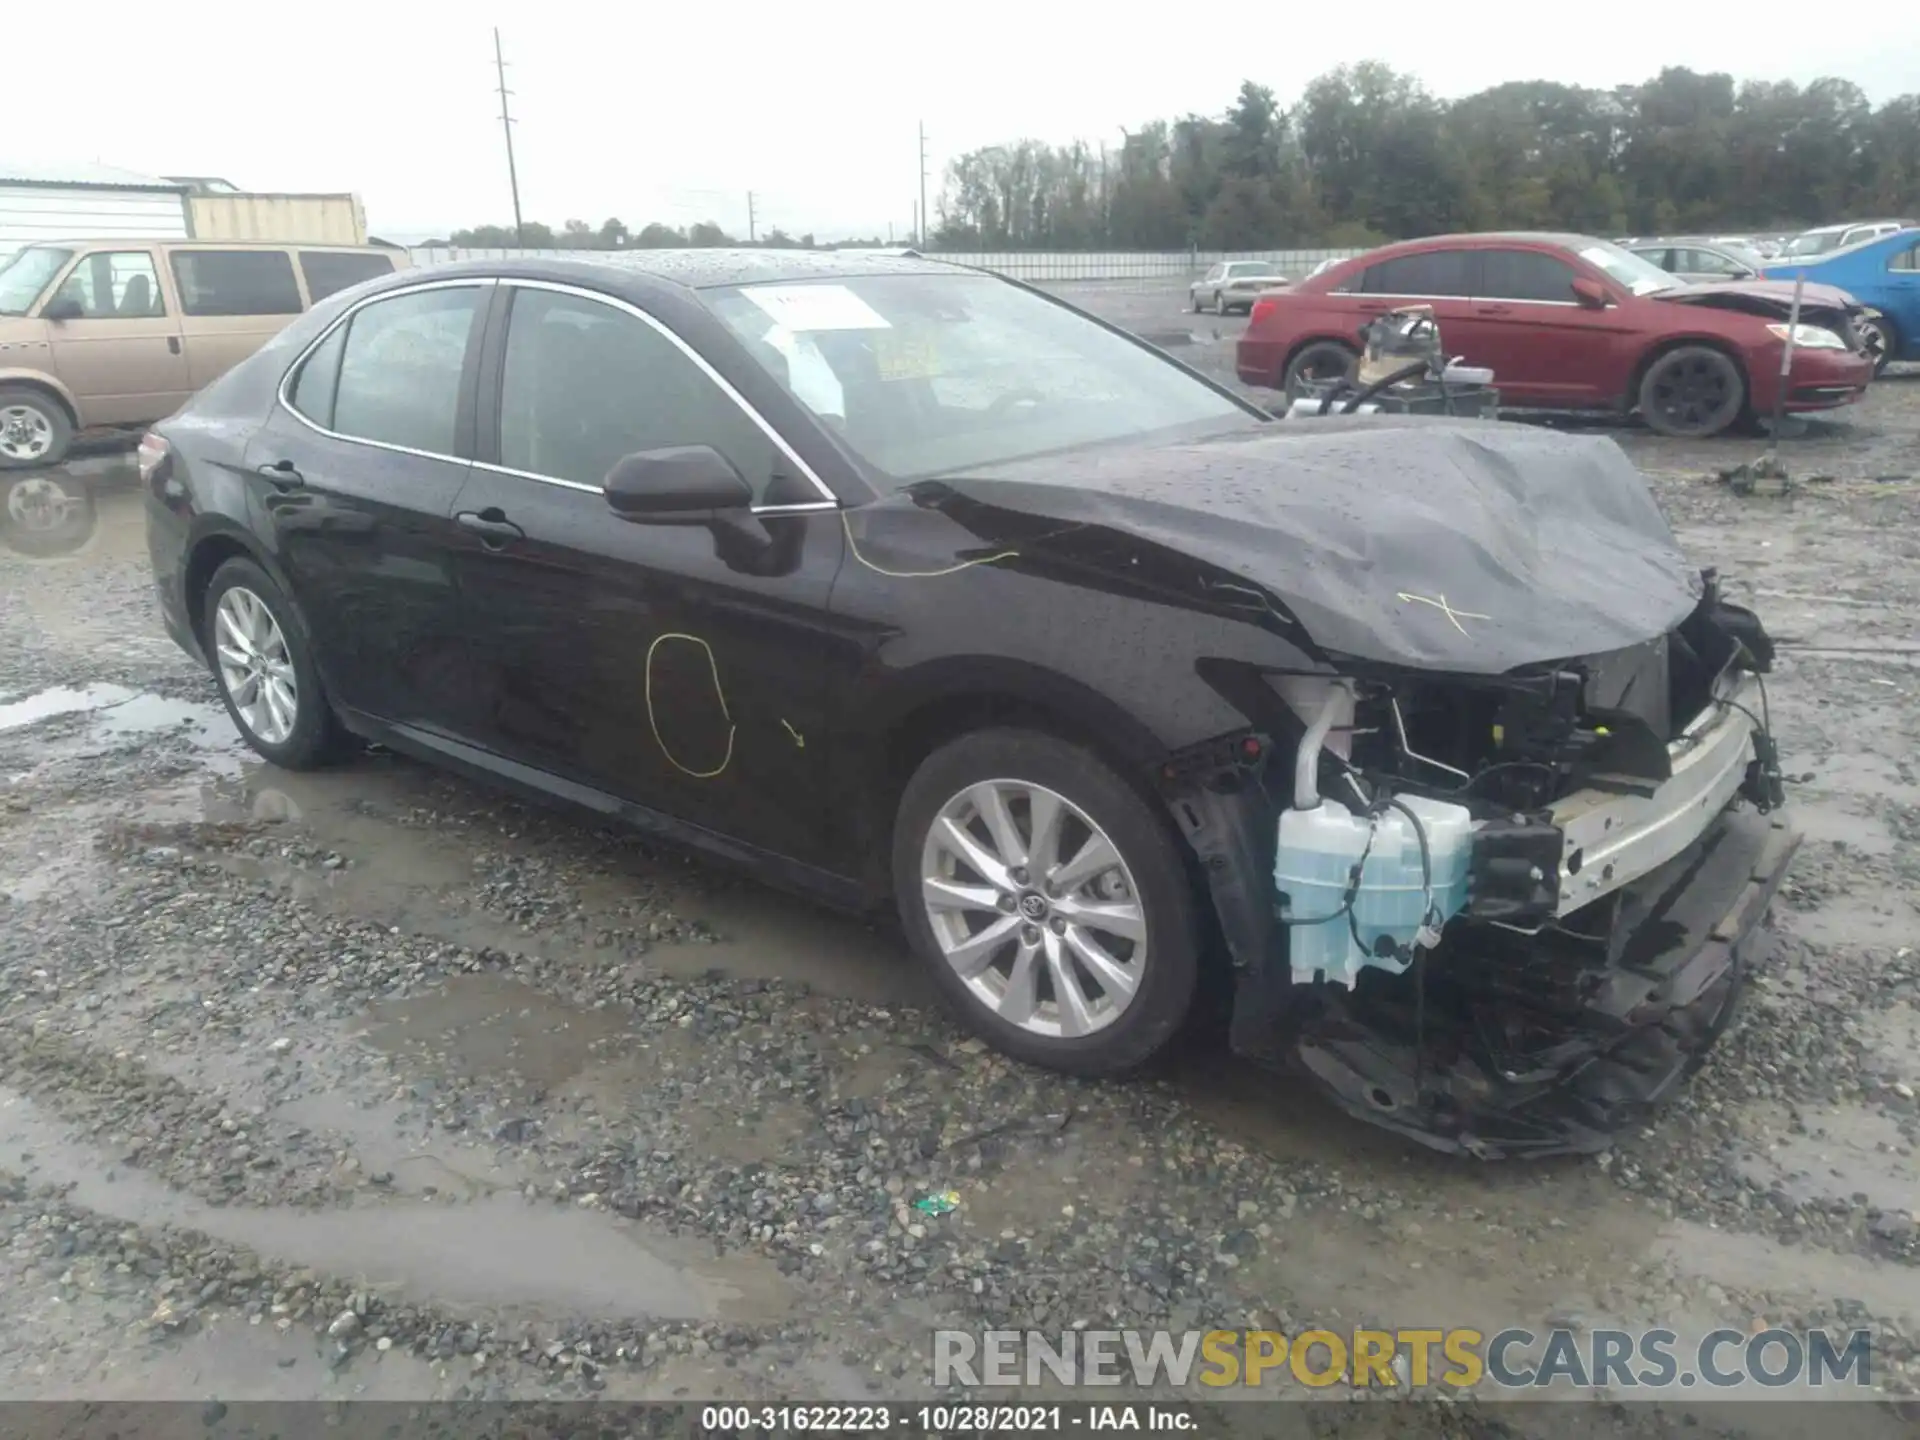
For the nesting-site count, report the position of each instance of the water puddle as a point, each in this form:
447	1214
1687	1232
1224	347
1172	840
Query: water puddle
61	700
495	1253
493	1026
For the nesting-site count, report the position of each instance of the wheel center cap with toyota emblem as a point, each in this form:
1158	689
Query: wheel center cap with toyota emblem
1033	906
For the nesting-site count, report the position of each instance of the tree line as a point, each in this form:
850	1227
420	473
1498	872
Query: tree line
1368	154
616	235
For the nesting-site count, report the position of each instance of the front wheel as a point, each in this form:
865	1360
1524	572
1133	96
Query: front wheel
1692	392
34	429
264	663
1048	900
1877	339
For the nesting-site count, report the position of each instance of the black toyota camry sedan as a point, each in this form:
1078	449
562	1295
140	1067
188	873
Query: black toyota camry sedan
904	584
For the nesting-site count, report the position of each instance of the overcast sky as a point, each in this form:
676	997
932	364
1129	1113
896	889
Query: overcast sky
676	111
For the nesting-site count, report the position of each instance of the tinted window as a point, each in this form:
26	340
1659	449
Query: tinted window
121	284
585	383
236	282
1524	275
1436	272
328	271
313	388
400	371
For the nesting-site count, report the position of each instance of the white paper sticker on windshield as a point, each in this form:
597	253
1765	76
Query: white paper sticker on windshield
816	307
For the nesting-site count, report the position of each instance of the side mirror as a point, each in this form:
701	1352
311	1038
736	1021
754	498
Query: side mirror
1590	293
62	307
681	482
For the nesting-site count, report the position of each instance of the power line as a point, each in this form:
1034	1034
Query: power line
506	128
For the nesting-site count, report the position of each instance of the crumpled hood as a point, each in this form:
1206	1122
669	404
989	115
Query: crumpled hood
1454	545
1761	294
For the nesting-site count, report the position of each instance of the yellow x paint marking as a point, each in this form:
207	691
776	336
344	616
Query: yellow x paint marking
1456	616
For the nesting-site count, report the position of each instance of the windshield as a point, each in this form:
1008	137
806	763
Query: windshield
933	374
1638	274
26	274
1814	242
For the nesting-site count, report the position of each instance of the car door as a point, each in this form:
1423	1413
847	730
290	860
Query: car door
1440	278
355	475
231	302
114	341
1546	347
682	667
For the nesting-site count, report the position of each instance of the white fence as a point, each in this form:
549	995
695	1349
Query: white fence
1036	266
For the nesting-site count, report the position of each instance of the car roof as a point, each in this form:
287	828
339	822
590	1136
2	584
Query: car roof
705	268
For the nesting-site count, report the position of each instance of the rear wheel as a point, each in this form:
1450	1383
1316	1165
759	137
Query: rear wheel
264	663
1692	392
1323	360
1220	302
34	429
1048	901
45	514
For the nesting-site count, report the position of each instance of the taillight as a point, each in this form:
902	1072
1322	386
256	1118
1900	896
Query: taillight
153	454
1262	308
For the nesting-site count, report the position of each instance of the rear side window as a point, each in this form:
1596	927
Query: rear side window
1907	259
314	386
1436	272
328	271
236	282
401	367
1662	257
1525	275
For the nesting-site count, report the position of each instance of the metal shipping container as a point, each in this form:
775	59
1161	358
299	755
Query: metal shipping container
299	219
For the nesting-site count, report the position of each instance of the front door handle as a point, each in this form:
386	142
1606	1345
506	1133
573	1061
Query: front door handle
491	525
1493	309
282	473
173	344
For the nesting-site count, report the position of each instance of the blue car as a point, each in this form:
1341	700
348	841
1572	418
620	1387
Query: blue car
1884	276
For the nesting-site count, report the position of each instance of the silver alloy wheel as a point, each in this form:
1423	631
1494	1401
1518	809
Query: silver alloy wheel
1034	908
38	504
255	668
26	434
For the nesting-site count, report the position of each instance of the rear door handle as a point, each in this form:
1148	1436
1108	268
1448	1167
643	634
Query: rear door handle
1493	309
173	344
282	473
491	525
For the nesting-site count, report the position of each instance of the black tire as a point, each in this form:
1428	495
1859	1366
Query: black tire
1322	360
316	736
1220	303
1880	339
1691	392
50	420
44	513
1163	887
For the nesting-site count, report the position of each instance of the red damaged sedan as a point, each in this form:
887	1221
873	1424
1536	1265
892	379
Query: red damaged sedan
1569	322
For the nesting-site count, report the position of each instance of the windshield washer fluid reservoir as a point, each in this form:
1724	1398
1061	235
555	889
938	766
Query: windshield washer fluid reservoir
1317	852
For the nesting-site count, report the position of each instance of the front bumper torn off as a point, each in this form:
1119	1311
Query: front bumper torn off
1551	1038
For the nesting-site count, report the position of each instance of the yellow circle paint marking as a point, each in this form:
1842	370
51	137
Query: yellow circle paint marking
653	720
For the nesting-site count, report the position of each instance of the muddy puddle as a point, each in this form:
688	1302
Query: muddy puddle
117	715
539	1259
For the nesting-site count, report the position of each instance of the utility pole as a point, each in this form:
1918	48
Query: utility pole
750	229
506	128
922	243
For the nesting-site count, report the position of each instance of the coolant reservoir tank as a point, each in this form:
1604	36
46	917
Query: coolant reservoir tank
1317	851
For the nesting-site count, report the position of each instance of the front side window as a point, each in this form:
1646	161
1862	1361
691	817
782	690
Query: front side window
236	282
937	374
25	273
114	285
1531	275
584	383
1711	262
1907	260
400	370
1431	273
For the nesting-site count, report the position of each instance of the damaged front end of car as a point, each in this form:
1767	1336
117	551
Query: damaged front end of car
1502	915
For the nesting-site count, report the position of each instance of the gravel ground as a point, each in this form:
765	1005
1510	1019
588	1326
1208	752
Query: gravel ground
374	1083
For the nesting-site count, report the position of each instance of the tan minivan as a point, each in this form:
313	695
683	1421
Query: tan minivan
122	332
